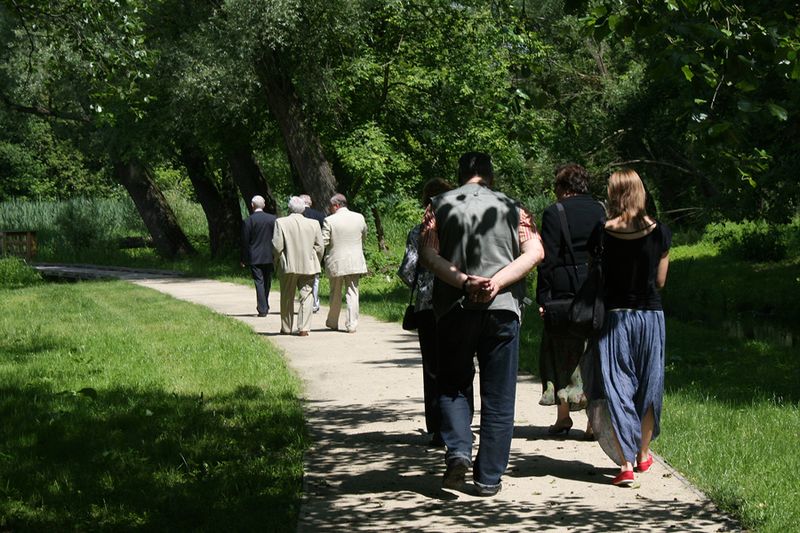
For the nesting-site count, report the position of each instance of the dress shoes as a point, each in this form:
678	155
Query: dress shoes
302	333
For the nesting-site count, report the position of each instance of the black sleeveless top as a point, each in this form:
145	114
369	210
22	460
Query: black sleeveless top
630	267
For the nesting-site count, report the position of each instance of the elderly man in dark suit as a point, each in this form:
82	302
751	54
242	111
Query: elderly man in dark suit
257	233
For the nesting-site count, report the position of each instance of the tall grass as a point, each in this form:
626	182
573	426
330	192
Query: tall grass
120	413
88	229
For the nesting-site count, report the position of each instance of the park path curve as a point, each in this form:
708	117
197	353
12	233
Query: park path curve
369	469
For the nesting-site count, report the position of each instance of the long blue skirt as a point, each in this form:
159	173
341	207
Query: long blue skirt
631	356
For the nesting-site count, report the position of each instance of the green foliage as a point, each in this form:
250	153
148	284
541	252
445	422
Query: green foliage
371	157
189	213
723	96
15	273
749	240
37	163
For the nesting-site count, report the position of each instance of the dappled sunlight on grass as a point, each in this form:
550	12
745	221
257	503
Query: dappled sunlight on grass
123	409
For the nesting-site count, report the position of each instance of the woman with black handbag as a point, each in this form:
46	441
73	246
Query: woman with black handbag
630	347
420	280
566	227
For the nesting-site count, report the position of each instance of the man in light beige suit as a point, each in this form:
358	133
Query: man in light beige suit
297	250
343	234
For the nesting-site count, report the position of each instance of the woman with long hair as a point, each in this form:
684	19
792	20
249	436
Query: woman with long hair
630	348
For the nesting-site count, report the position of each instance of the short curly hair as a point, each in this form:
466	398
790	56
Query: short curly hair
572	178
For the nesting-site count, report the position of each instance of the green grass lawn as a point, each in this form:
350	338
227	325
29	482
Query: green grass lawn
124	409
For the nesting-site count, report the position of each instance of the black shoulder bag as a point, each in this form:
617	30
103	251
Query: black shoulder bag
587	312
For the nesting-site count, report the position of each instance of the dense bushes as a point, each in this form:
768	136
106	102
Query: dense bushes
755	240
15	273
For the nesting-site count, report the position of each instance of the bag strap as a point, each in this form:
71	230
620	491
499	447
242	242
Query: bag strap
414	285
562	215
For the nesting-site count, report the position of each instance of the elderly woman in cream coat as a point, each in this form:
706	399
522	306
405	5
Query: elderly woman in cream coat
297	249
343	234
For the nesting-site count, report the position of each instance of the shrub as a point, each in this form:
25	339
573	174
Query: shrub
749	240
791	235
15	273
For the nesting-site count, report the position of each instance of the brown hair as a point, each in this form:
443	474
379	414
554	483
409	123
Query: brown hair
434	187
572	178
626	196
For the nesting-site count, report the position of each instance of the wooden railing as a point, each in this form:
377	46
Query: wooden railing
18	243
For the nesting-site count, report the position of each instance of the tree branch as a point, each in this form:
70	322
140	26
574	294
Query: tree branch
652	162
41	111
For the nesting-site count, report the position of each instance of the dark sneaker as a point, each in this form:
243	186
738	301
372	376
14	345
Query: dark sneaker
456	471
487	490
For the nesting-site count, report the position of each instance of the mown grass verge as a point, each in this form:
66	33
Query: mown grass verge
124	409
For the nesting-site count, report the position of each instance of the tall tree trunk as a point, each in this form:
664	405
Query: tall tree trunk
247	174
379	230
160	221
302	143
222	213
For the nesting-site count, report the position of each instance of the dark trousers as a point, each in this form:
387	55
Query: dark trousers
426	331
262	277
494	337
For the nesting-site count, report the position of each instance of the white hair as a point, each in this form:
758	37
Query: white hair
258	202
296	204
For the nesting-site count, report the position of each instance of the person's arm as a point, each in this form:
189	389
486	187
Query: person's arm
319	246
661	272
244	256
277	242
408	266
438	265
532	253
551	239
363	230
442	268
326	233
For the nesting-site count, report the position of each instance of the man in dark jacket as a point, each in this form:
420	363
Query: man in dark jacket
257	233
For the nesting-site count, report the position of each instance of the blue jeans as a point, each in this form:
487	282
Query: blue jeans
494	337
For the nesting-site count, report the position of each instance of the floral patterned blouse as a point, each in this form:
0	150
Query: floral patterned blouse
410	268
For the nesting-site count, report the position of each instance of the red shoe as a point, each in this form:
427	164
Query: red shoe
623	479
644	466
